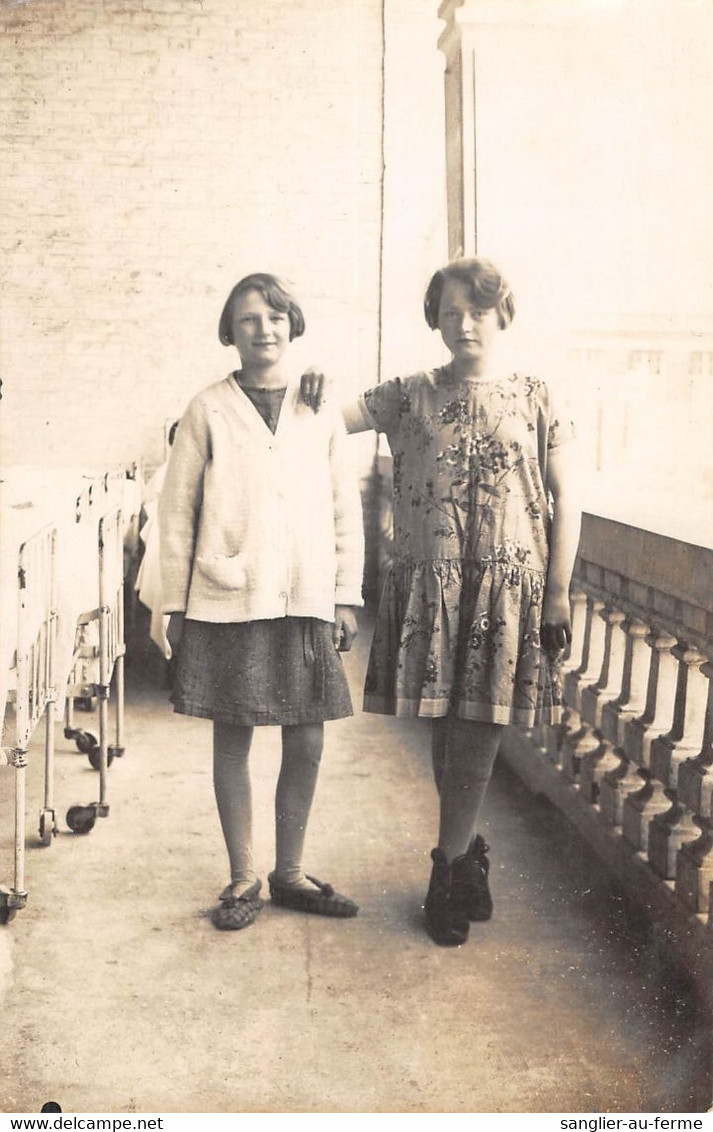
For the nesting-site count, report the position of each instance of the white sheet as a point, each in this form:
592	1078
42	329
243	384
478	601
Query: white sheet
30	498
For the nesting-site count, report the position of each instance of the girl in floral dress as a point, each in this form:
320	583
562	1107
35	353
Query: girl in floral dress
475	610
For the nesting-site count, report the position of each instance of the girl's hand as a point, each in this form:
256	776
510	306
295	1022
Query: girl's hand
174	632
345	627
312	388
556	630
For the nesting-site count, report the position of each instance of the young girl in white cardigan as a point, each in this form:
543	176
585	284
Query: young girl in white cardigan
262	558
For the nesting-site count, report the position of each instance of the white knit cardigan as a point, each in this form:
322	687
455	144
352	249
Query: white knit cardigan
254	525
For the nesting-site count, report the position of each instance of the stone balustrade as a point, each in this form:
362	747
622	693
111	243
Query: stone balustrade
632	760
637	738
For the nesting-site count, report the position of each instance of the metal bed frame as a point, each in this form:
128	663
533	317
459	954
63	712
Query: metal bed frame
81	689
110	616
35	695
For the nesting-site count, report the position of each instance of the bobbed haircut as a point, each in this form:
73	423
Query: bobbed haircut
488	288
275	294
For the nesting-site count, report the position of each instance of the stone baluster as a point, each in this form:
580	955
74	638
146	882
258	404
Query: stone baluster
660	694
639	809
694	869
695	776
686	734
625	778
617	785
578	605
694	866
609	683
632	701
580	741
668	832
642	805
591	657
601	759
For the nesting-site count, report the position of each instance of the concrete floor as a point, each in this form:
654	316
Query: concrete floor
118	995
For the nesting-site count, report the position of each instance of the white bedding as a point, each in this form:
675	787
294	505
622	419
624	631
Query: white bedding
32	497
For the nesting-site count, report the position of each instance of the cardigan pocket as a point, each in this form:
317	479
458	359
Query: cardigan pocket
224	570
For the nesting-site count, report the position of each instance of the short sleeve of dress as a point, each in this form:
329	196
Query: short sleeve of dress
558	420
382	405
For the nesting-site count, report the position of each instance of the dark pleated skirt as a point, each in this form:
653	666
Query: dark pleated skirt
285	671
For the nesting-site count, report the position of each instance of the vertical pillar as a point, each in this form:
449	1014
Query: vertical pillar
660	695
640	807
686	734
472	27
694	864
617	784
608	686
457	42
695	776
632	700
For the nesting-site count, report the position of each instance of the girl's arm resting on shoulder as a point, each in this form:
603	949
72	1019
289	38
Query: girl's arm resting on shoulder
563	483
355	419
313	388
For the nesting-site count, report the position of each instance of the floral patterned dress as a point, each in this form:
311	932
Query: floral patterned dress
458	627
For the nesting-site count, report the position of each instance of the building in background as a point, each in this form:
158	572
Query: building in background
578	145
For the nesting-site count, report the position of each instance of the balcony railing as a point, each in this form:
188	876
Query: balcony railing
632	761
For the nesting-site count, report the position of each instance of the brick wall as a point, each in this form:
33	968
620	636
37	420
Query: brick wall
153	152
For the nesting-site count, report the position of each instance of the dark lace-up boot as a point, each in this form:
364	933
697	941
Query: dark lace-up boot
445	922
470	890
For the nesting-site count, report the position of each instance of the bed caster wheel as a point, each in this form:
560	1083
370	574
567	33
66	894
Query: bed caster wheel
80	819
95	757
10	901
48	827
85	741
116	752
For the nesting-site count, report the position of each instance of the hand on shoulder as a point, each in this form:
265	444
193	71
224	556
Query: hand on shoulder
313	388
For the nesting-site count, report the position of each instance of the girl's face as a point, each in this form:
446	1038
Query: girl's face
467	330
260	333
